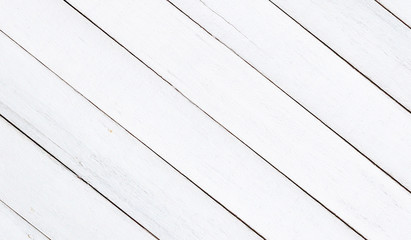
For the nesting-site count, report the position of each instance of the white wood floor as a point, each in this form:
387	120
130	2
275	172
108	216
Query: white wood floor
205	119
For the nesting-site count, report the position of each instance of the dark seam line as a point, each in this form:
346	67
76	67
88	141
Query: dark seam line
79	177
399	19
346	61
212	117
121	126
38	230
345	140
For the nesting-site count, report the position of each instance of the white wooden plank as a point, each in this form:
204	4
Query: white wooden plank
366	35
183	57
12	226
52	198
400	8
103	154
319	160
223	166
314	76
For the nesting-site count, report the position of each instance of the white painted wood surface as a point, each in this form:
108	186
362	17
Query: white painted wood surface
12	226
400	8
363	33
254	110
225	87
217	161
106	156
53	199
312	74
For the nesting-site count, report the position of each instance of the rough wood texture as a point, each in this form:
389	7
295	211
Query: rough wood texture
174	126
313	75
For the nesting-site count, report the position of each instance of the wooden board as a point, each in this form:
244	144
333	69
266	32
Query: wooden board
215	160
313	75
105	156
53	199
169	115
291	138
12	226
365	35
399	8
239	98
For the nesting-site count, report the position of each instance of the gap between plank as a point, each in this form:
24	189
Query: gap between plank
121	126
351	65
75	174
346	61
398	18
329	210
38	230
301	105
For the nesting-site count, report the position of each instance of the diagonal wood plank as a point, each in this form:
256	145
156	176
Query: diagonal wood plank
320	81
201	69
13	226
365	35
350	173
236	175
401	9
52	198
105	156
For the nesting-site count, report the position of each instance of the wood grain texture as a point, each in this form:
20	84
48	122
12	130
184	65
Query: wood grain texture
258	113
12	226
235	95
104	155
364	34
399	8
51	198
313	75
155	113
